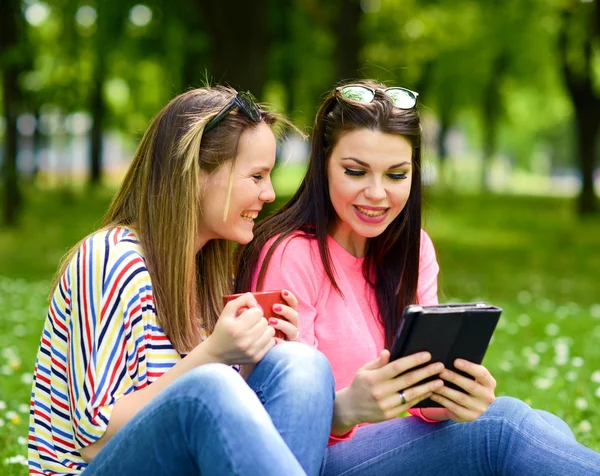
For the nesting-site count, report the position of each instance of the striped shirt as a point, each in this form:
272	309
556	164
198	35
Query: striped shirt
100	341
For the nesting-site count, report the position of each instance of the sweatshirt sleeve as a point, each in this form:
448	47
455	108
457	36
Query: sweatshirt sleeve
292	267
428	272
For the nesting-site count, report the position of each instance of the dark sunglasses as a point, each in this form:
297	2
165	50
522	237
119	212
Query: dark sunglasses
245	102
402	98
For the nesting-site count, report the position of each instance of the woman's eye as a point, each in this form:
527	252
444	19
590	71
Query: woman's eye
397	176
354	173
257	177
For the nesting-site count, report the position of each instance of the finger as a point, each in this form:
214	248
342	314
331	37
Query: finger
411	394
262	345
245	300
413	377
470	386
290	330
481	374
289	298
400	366
461	412
379	362
287	313
249	318
467	401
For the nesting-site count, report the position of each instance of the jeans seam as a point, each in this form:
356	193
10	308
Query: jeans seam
170	404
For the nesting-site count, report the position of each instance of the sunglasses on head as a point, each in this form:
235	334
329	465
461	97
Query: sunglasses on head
402	98
245	102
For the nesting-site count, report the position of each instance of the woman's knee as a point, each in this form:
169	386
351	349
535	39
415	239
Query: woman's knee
302	364
208	379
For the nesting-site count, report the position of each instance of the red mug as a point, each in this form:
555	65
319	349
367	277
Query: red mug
266	300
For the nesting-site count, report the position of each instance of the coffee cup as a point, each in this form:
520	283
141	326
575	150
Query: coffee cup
266	300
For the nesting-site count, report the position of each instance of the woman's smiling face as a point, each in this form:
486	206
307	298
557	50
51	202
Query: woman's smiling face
369	175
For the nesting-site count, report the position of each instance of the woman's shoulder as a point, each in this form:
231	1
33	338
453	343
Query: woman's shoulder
296	242
297	247
427	247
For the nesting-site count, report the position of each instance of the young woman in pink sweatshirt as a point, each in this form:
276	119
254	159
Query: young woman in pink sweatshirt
350	247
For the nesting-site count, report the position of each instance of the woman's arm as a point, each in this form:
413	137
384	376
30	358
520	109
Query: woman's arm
235	340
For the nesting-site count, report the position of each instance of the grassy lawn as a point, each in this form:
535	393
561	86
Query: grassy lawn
528	255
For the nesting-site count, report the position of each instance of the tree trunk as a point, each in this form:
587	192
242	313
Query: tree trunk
12	196
442	150
348	40
9	57
587	108
588	125
239	42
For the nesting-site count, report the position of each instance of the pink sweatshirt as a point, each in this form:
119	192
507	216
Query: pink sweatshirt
346	330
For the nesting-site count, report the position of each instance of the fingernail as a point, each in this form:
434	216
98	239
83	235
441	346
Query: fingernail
277	308
438	367
425	356
272	321
459	363
286	293
259	306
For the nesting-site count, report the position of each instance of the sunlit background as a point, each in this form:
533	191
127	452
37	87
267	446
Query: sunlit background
510	101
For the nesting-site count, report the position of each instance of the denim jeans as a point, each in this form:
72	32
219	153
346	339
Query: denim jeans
509	439
211	421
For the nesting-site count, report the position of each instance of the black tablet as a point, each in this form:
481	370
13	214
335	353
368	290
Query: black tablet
447	332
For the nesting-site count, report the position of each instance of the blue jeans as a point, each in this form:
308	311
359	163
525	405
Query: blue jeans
211	421
509	439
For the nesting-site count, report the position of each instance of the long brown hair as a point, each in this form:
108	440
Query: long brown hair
392	257
160	199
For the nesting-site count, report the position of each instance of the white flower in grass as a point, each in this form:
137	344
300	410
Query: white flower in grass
27	378
545	305
585	426
552	329
20	330
562	312
23	408
505	365
596	376
597	392
524	297
581	403
2	423
551	372
15	364
22	441
571	376
6	370
577	362
543	383
2	405
540	347
19	459
524	320
13	417
533	360
595	311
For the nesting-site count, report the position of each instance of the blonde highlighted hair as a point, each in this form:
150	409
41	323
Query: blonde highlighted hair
160	200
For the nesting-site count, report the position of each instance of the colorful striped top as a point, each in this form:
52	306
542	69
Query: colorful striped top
100	341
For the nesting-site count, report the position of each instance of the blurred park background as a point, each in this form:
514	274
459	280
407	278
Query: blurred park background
510	100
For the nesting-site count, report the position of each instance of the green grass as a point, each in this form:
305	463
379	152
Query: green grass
530	256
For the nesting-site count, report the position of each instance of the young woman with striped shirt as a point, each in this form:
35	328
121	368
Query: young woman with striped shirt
134	371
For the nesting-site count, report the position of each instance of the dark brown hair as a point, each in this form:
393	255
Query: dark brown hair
392	257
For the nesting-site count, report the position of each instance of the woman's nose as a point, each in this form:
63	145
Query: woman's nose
375	191
268	194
